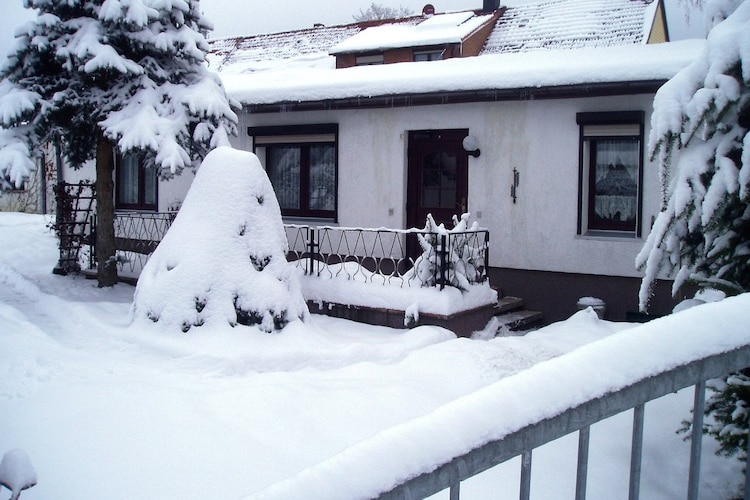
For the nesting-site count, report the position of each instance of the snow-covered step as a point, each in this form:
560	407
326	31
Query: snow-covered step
519	319
508	303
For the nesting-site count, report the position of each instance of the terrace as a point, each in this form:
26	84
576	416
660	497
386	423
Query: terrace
392	277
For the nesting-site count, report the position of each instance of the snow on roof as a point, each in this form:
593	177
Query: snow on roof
586	41
322	81
570	24
227	52
435	30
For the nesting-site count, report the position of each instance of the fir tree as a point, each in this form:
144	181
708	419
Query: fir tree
699	133
105	76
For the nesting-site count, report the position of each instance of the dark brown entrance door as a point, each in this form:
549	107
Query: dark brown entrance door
437	181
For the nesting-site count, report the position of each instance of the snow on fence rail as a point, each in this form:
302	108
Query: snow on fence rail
468	436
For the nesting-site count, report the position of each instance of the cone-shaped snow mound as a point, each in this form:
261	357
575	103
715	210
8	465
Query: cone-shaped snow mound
224	257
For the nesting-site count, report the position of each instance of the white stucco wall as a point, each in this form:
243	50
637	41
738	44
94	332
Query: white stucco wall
539	138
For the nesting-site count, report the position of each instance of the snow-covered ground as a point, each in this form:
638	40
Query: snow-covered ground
107	410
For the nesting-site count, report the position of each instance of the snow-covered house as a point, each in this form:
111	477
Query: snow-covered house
532	118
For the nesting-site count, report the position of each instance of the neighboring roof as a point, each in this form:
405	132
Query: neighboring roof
225	52
439	29
571	24
241	50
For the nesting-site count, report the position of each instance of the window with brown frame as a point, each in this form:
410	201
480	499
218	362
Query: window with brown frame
301	162
611	173
136	187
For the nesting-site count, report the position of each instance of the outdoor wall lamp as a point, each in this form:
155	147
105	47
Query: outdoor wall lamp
471	146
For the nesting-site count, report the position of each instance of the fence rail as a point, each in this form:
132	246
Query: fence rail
137	235
403	258
579	419
382	256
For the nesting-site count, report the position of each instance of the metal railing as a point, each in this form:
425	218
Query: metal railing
137	235
579	419
403	258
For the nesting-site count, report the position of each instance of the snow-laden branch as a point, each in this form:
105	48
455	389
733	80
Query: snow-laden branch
699	133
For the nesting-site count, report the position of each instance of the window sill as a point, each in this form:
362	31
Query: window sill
309	221
608	235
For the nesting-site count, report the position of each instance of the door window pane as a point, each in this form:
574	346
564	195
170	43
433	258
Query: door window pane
439	175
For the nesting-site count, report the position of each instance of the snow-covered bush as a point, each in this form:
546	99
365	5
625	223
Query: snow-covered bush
16	472
463	262
223	260
699	133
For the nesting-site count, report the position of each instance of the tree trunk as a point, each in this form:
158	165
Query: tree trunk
106	265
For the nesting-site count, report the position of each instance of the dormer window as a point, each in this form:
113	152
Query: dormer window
428	55
369	60
427	38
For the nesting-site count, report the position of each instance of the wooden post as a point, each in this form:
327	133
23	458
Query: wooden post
106	268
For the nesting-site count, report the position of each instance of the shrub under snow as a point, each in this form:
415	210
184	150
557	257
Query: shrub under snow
16	472
223	260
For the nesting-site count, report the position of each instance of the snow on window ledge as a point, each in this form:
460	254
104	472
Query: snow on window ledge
608	235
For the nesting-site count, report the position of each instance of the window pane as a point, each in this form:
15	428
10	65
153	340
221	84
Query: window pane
439	173
615	182
322	177
284	171
127	180
149	186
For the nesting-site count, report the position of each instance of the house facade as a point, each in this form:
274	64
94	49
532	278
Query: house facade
534	119
541	135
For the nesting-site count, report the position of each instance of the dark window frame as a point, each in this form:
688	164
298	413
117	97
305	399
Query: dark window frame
371	59
295	136
425	55
587	172
141	205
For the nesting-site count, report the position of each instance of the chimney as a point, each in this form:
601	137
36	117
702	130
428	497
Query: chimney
489	6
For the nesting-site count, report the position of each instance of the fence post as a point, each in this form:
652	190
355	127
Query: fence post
696	440
443	256
92	242
310	250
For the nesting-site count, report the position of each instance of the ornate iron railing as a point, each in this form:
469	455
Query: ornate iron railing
403	258
137	235
382	256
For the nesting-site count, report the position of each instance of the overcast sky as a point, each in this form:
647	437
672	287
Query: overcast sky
243	17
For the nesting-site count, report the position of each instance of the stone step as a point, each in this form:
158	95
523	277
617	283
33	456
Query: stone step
507	304
519	319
